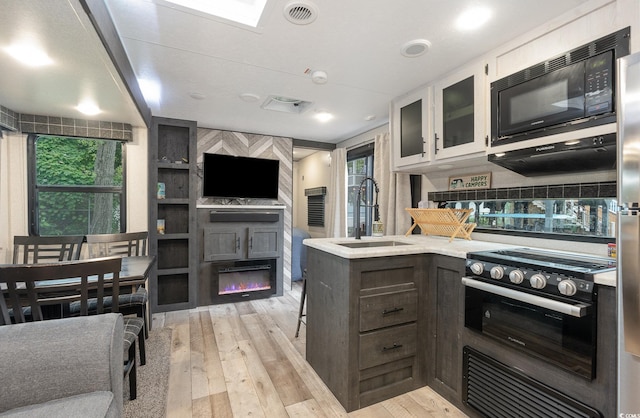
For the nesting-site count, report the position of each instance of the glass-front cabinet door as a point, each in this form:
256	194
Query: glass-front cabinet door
410	128
459	114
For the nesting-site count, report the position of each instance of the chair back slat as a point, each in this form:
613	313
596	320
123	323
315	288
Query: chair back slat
34	249
124	244
36	285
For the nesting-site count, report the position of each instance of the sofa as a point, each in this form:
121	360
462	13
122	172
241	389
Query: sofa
70	367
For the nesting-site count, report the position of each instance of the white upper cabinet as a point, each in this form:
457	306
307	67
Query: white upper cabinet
441	123
410	128
460	106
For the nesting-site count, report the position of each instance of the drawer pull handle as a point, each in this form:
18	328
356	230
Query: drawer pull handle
390	311
393	347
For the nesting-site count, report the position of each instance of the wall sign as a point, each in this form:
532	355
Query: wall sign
470	182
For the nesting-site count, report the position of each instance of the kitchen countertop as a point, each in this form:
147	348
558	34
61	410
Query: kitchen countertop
420	244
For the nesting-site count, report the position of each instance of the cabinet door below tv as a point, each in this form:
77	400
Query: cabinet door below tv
263	242
222	244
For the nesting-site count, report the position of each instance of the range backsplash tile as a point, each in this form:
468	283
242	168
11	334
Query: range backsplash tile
554	191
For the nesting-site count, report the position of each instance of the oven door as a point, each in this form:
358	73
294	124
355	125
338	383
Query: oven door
548	100
561	332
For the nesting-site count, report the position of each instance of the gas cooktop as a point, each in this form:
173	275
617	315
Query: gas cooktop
543	259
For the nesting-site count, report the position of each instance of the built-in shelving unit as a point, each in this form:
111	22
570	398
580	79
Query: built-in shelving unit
172	162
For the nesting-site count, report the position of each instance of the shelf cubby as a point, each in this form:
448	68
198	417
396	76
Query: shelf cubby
172	161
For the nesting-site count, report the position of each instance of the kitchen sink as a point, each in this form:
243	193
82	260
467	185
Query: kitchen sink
372	244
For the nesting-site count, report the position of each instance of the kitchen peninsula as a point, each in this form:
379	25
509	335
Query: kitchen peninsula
387	315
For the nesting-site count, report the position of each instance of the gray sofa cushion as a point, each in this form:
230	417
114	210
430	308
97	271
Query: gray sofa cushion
95	404
48	360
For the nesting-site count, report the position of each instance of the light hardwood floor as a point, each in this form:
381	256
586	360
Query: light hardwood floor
242	360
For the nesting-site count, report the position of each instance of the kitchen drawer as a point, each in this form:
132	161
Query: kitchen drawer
387	345
387	309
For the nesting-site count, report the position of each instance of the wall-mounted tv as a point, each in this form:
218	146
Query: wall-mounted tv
227	176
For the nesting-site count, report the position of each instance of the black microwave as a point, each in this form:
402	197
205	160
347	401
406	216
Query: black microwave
572	91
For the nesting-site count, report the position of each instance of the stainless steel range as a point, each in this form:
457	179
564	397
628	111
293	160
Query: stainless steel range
542	303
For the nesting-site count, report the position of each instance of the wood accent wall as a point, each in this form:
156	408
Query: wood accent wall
260	146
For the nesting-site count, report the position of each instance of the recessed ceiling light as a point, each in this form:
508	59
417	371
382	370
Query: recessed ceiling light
323	116
473	18
319	77
197	96
29	54
88	108
249	97
415	48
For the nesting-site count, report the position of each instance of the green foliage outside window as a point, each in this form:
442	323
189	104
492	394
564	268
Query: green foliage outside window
78	185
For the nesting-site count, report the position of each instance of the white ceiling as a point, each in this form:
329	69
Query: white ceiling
356	42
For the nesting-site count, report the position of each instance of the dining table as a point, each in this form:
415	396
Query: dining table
134	272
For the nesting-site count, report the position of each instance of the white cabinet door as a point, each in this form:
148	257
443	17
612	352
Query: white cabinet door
410	127
459	114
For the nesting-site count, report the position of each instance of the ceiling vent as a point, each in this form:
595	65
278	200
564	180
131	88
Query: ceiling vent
285	104
300	12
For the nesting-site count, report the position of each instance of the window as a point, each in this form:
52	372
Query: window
359	167
76	185
315	206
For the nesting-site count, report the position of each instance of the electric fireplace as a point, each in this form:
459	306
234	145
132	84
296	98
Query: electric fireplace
235	281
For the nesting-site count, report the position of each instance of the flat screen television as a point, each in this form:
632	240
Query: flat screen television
228	176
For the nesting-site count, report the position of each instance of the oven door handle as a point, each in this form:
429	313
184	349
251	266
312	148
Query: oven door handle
578	310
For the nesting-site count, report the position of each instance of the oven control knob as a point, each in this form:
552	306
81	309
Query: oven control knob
477	268
538	281
567	287
516	276
497	272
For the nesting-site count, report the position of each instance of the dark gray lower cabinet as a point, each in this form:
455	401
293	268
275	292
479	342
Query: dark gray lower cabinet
445	313
365	335
379	327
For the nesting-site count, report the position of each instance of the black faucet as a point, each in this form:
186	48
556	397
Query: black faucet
376	216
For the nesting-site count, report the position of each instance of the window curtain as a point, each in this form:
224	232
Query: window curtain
336	222
395	189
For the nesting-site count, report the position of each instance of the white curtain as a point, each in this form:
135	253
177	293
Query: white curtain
395	189
337	195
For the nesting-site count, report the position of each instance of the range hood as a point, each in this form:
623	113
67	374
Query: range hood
597	153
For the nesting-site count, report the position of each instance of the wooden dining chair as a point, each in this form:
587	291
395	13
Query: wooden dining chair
122	244
36	249
125	244
26	288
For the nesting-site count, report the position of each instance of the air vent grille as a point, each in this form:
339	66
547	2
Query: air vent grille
301	12
536	70
557	63
499	391
582	53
